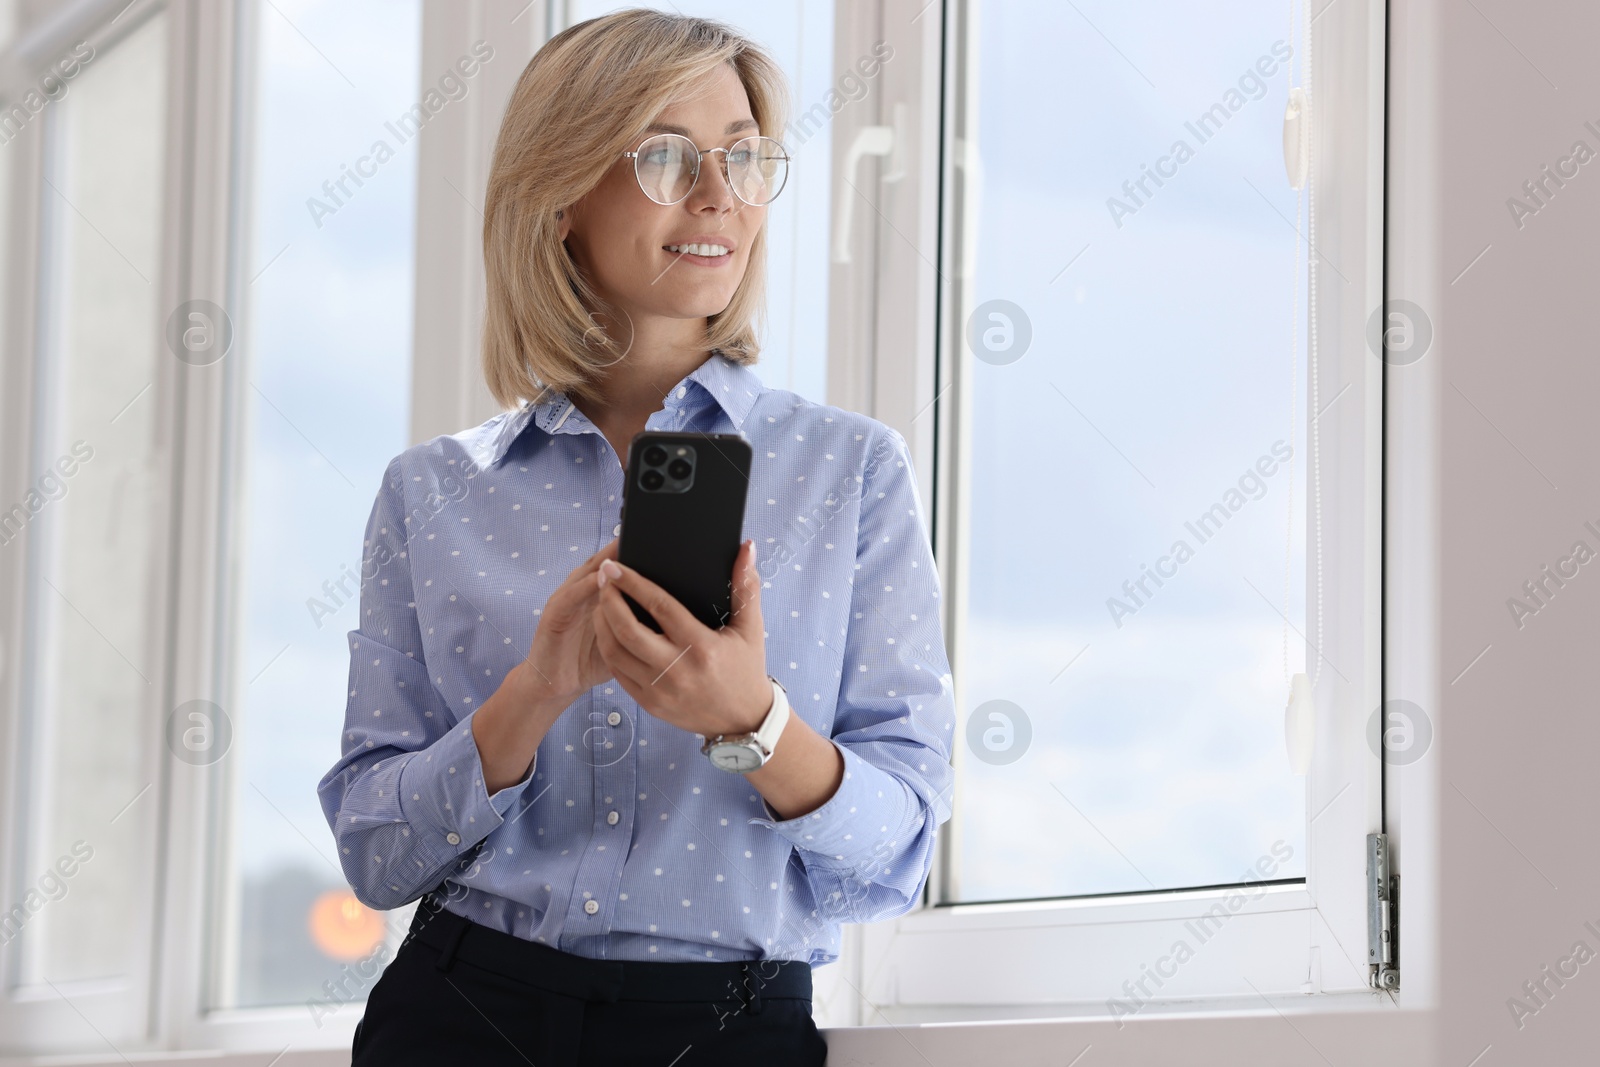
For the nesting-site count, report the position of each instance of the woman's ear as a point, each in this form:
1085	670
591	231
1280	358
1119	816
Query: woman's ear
563	224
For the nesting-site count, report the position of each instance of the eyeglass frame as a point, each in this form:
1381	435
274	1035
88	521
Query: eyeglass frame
700	153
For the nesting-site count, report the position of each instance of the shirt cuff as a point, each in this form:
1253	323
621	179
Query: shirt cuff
443	796
853	827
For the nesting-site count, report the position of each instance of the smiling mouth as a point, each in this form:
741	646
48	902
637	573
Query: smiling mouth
707	252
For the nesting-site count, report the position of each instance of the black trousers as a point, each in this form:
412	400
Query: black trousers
458	992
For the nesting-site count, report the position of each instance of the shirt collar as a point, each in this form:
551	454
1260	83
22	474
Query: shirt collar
733	386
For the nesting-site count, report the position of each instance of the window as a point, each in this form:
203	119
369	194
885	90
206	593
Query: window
321	387
90	649
1119	427
84	538
174	605
1136	584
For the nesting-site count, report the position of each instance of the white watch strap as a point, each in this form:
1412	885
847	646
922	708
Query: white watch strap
777	718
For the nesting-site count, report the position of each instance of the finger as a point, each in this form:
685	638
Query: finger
746	591
571	597
604	639
676	621
623	664
652	650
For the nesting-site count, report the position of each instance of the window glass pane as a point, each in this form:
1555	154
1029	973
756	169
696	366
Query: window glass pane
1137	584
324	386
799	35
90	653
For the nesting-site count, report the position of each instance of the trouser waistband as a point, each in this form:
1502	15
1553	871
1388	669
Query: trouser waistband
747	981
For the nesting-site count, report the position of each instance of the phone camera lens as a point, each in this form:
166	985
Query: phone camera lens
679	468
651	480
655	455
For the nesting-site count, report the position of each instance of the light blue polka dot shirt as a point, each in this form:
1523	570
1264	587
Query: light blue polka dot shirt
624	842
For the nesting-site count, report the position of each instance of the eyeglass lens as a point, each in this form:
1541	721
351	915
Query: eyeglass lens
666	167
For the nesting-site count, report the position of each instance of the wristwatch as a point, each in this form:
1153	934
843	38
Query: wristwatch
741	753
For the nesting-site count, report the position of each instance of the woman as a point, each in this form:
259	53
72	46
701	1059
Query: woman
594	889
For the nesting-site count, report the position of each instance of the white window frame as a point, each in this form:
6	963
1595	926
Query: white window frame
48	1017
1004	961
206	158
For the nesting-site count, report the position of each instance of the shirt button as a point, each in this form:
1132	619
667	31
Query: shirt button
453	837
591	906
612	817
614	718
616	531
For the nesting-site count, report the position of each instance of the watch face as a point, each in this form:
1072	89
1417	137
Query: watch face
735	757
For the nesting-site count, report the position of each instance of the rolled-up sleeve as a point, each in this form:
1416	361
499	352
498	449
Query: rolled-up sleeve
868	849
406	798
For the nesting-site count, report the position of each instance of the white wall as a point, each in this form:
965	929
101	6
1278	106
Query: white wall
1517	388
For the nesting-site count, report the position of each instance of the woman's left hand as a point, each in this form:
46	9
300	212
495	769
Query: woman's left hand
698	679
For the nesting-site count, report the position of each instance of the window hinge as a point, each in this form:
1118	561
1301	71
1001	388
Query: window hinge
1383	916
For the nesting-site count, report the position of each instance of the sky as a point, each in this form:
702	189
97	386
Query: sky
1158	375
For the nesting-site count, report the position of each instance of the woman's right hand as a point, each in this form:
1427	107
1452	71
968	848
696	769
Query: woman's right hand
564	661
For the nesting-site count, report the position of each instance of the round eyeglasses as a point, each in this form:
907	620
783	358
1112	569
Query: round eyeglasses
668	165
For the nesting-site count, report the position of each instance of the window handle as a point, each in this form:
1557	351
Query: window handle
1299	724
1297	137
870	141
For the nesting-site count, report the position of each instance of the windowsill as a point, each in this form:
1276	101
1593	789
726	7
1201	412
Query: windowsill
1086	1013
1341	1028
327	1057
1309	1030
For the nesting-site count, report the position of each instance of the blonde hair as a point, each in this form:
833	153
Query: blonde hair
584	99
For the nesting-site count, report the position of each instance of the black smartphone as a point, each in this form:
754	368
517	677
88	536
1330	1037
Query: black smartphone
683	518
